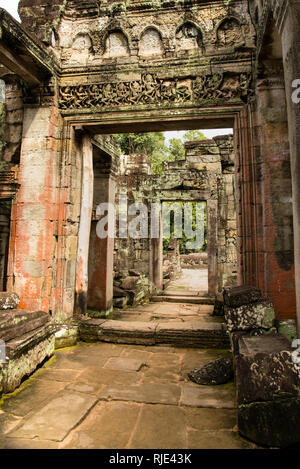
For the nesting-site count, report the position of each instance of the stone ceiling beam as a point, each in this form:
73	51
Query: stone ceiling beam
18	66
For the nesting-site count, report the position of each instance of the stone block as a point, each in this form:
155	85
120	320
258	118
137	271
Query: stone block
66	336
9	300
241	295
16	323
265	369
25	354
260	315
90	330
273	424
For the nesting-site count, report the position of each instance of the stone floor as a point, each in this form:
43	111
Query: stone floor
192	281
168	312
108	396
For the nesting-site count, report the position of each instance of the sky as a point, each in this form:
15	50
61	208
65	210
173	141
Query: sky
12	7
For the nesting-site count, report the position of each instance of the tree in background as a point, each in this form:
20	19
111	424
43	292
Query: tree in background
153	144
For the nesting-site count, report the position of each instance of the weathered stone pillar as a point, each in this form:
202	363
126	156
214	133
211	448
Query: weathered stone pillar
35	210
290	30
212	247
275	243
100	291
156	254
84	226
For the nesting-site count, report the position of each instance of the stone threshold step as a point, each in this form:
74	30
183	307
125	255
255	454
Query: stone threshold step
192	334
196	300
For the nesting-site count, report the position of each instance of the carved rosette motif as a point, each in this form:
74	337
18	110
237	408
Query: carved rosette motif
153	90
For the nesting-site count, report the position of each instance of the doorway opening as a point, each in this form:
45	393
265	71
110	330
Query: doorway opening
185	261
138	174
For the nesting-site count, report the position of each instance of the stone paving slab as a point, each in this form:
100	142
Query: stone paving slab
219	440
128	332
31	396
155	407
124	364
160	427
216	397
109	426
146	392
94	375
57	418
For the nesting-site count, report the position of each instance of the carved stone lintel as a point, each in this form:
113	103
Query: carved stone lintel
153	90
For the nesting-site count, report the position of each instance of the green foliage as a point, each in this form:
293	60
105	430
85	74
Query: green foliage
153	144
176	149
183	239
193	135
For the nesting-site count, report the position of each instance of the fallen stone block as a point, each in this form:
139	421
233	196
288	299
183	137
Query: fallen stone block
16	323
273	424
24	355
120	302
119	292
260	315
217	372
241	295
9	301
266	370
130	283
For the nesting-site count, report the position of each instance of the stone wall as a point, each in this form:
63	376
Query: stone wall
207	174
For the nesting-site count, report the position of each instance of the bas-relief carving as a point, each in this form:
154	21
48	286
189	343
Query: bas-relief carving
154	90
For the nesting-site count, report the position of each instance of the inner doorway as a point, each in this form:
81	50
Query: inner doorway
185	262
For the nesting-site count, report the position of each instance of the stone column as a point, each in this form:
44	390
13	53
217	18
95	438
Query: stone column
212	248
100	292
290	35
81	289
35	210
156	254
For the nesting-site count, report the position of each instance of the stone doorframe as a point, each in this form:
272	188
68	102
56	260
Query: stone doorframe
122	122
156	257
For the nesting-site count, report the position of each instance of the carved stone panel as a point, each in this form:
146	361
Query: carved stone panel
150	89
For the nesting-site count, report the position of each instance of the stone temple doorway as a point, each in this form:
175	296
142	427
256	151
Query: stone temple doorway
186	265
106	267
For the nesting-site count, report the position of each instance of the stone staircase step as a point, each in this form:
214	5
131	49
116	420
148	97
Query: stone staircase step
190	334
196	300
16	323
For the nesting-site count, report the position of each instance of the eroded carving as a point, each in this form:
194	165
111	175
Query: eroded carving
116	45
229	32
189	37
151	43
151	90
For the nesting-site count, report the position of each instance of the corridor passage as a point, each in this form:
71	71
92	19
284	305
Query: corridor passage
116	396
